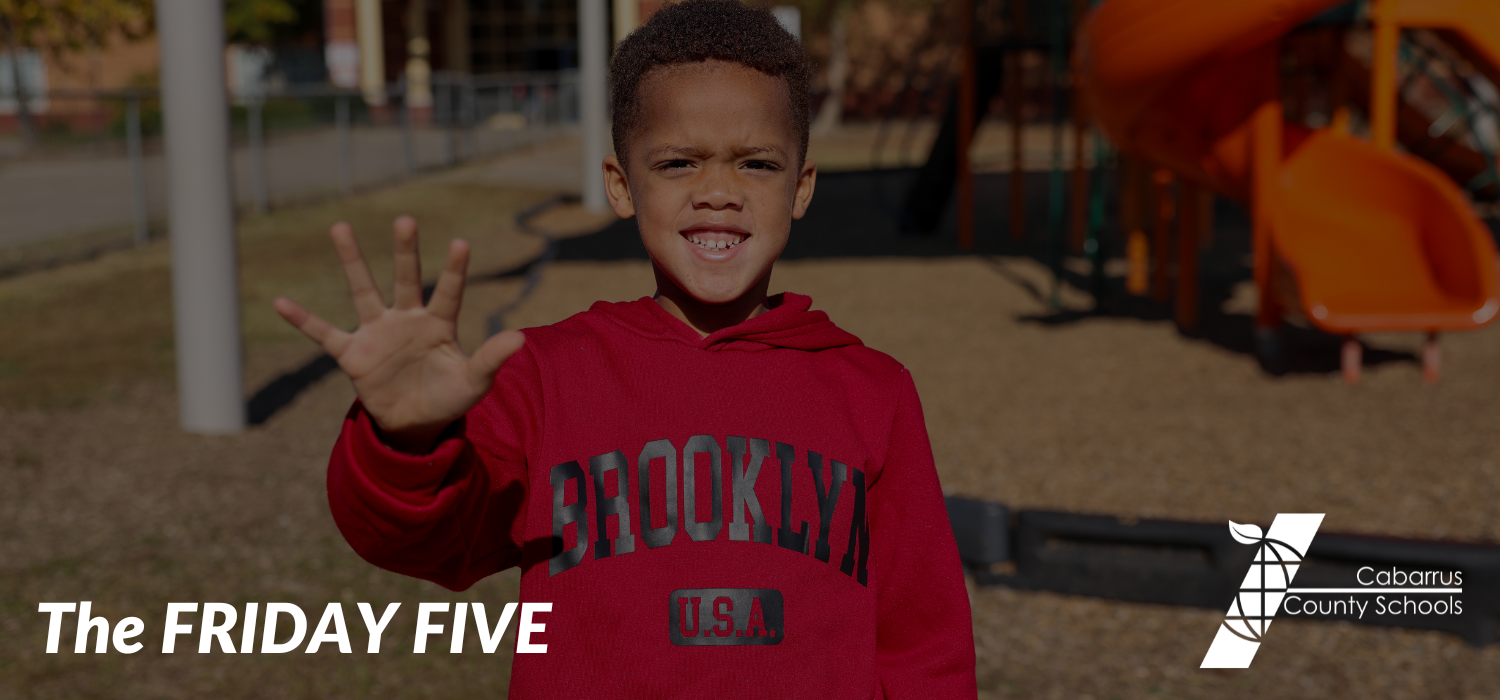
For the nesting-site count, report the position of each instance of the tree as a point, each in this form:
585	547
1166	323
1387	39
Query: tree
256	21
60	27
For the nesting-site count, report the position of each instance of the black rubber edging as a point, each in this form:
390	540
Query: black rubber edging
1201	565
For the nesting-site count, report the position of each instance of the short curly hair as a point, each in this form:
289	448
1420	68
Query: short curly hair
694	31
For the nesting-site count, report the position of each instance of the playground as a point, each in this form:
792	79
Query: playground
106	498
1127	324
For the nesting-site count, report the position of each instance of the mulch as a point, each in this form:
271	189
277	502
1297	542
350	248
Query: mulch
1126	417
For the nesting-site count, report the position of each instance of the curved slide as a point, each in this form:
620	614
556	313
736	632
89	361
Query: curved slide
1356	236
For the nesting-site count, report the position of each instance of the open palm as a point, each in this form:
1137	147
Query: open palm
404	359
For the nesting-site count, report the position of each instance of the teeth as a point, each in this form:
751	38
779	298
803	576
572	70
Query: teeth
715	245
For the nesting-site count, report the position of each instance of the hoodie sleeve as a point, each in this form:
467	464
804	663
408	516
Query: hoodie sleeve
453	516
924	630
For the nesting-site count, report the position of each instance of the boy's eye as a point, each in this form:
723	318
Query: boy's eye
679	163
760	165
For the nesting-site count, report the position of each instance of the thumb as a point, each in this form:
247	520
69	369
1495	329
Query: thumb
494	352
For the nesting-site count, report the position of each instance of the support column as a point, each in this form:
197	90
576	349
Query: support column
627	15
133	148
341	49
418	65
457	53
1265	154
205	286
593	110
371	51
1132	224
1080	163
1187	256
1161	251
1387	35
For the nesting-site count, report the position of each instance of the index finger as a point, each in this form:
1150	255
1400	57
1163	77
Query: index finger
330	337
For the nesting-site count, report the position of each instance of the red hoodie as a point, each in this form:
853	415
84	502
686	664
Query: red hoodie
752	514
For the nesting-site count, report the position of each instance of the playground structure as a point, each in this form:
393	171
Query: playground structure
1294	109
1351	234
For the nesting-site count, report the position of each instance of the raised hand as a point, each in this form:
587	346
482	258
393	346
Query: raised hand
405	361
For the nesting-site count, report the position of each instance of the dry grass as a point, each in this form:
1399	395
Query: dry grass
71	330
103	499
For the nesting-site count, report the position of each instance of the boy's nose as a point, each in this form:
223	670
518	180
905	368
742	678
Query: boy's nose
718	192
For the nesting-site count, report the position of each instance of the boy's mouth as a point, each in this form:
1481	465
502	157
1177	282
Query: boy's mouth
715	237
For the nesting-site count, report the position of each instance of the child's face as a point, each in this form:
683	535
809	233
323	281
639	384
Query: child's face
714	178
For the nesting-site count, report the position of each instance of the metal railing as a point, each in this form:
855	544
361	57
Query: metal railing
98	164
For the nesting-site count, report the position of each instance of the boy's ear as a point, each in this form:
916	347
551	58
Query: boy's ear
617	188
805	181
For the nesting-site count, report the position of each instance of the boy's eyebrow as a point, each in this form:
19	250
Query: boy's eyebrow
691	151
752	150
674	150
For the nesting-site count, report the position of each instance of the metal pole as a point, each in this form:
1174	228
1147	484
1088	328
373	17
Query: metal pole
370	30
408	150
254	116
593	111
450	118
1017	116
1092	245
1161	252
346	151
1133	198
1187	257
137	168
1383	74
470	116
1080	199
205	285
536	120
1058	55
965	122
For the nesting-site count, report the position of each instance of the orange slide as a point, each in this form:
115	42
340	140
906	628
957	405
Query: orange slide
1353	234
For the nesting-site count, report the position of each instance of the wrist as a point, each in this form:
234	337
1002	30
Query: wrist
415	440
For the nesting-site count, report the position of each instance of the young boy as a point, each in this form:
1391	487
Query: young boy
721	493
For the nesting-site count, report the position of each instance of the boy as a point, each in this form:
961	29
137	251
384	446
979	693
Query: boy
592	453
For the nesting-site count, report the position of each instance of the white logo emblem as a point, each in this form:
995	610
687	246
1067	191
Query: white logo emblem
1270	576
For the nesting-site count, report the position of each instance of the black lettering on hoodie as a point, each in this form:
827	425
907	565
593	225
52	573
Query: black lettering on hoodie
744	473
704	531
859	534
617	505
657	536
562	560
828	498
787	537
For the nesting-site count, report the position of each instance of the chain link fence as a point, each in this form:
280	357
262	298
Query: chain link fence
90	172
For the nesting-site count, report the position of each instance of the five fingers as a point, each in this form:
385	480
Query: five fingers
446	298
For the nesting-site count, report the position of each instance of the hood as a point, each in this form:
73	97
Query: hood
788	324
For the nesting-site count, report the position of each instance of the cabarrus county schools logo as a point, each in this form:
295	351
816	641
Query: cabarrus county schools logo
1267	590
1279	555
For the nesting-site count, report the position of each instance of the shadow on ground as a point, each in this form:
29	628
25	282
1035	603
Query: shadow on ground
855	215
